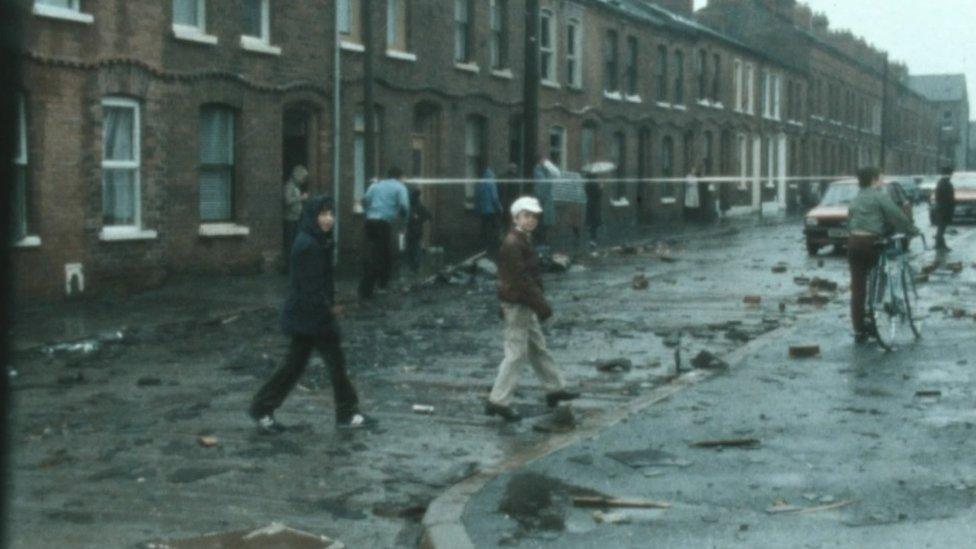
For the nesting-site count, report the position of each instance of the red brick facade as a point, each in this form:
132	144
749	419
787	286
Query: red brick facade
280	94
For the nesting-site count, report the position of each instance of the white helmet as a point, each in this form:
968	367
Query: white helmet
526	204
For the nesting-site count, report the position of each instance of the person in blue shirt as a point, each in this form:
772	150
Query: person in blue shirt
489	208
386	203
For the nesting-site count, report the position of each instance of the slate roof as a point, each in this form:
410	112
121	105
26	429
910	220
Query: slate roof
940	87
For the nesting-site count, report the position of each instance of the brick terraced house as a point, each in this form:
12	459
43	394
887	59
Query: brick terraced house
156	134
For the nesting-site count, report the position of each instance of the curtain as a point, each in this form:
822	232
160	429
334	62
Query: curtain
117	133
217	163
118	196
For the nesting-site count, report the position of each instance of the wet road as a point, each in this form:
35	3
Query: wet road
107	450
856	448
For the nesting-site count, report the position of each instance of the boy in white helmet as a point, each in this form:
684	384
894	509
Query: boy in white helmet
523	307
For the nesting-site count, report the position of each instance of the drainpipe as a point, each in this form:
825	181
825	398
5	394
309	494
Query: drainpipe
530	91
336	128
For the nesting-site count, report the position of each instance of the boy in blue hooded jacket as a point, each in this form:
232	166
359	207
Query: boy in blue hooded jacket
308	316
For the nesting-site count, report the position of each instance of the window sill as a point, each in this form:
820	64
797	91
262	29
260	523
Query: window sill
679	107
668	200
401	55
704	102
551	84
633	99
352	46
621	202
718	105
29	241
256	45
663	105
193	34
503	73
121	234
613	95
221	230
42	10
467	67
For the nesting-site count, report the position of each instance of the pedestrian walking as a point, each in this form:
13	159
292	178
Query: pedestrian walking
594	207
294	195
945	207
309	319
873	216
419	216
386	204
523	307
489	209
542	189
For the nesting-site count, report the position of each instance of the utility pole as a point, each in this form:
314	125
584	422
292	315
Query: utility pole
336	127
530	97
368	110
884	114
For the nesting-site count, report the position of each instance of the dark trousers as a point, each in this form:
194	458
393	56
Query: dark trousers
862	255
378	261
940	243
490	229
276	389
413	251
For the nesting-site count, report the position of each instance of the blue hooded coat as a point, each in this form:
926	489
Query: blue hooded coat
311	287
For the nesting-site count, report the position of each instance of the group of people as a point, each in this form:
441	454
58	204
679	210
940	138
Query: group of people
309	315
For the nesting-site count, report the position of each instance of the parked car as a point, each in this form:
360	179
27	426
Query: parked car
965	185
826	225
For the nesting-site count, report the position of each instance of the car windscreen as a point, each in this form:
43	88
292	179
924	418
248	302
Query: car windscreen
839	194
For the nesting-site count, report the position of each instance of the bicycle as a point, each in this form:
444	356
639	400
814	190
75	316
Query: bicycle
891	292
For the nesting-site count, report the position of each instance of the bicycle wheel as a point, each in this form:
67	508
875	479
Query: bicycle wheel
911	294
877	305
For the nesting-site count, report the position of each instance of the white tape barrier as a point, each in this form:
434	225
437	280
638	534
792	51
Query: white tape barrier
659	180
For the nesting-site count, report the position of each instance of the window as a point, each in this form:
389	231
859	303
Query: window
716	78
777	83
475	152
216	183
547	46
667	164
69	10
765	102
631	70
257	23
610	62
462	31
19	197
191	14
702	69
661	74
120	163
618	152
499	34
738	83
679	78
350	19
557	146
750	96
396	25
708	153
574	50
588	145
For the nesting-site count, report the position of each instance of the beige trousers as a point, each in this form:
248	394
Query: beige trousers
524	342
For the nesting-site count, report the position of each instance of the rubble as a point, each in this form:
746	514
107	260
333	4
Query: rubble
779	268
640	282
424	409
752	300
606	502
727	443
804	351
813	299
611	518
207	441
273	535
560	263
707	361
615	365
823	284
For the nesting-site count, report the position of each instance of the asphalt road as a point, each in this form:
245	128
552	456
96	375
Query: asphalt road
855	448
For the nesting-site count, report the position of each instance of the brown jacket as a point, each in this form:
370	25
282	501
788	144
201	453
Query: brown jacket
519	276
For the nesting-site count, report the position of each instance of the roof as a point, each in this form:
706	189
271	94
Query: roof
940	87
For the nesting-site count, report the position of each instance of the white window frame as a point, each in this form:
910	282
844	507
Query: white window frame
233	167
394	10
345	16
751	88
71	13
465	40
547	27
777	83
574	53
134	231
261	44
21	161
737	77
561	133
193	33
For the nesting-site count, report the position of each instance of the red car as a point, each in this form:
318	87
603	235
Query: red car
826	225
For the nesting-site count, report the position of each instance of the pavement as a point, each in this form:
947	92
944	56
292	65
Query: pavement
854	448
147	427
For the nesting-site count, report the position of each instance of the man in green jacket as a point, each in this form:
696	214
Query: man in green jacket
873	216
